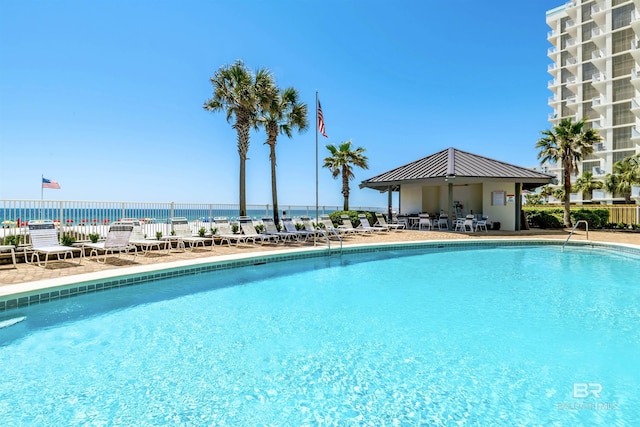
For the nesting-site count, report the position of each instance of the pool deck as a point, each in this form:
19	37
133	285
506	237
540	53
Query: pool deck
27	277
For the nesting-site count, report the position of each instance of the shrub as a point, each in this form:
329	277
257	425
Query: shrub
13	239
545	218
158	235
353	217
596	218
202	231
94	237
67	240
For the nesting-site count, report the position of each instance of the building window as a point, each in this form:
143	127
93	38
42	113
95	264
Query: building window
587	50
566	93
621	155
621	17
622	65
588	91
588	113
622	40
586	30
623	89
615	3
586	11
622	138
622	114
590	166
588	70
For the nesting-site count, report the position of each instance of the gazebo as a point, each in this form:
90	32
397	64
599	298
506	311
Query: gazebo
458	183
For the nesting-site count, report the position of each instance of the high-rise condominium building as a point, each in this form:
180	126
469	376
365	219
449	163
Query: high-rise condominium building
595	71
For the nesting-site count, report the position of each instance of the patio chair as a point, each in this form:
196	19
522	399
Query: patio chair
424	221
482	223
382	222
271	229
347	225
290	226
182	230
443	222
117	242
469	223
366	225
138	238
325	220
225	233
249	230
44	241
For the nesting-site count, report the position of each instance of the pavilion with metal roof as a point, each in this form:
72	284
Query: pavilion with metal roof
458	183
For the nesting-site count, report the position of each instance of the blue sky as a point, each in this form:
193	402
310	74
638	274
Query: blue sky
106	97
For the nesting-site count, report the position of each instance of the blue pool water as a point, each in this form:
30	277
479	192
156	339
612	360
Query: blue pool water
497	336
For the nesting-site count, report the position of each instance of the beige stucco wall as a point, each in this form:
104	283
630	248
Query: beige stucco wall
505	214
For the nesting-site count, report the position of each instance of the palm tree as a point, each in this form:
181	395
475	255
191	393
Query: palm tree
585	184
241	94
626	173
283	115
567	143
341	162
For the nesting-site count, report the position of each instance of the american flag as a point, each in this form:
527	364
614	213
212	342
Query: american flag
321	121
47	183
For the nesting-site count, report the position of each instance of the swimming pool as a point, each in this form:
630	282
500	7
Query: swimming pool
489	335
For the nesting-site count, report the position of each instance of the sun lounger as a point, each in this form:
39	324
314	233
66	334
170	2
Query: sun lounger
325	220
349	228
224	232
290	226
140	240
117	242
382	222
271	229
182	230
44	241
366	225
249	230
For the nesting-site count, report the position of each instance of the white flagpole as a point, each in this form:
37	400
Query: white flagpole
317	222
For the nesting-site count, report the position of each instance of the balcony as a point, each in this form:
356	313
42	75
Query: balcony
571	45
553	99
635	78
552	83
635	135
635	107
599	147
553	117
552	69
635	192
598	13
599	104
635	52
599	81
597	171
571	81
635	21
598	58
552	51
598	37
598	195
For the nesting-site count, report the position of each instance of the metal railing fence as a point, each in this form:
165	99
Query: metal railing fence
81	218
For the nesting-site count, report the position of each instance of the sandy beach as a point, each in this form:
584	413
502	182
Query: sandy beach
119	265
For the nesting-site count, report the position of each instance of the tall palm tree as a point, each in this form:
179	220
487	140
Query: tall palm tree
241	94
586	183
567	143
626	173
341	163
283	115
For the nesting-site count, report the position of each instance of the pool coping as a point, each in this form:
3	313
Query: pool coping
24	294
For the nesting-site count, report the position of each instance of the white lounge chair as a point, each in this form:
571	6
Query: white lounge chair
347	225
366	225
224	232
249	230
12	249
182	230
140	240
44	241
382	222
272	230
290	227
325	220
117	242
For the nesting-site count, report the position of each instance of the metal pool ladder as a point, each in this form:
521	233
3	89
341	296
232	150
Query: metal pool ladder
326	236
586	225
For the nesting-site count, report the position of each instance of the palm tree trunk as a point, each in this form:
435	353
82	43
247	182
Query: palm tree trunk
243	146
345	187
567	196
274	188
243	194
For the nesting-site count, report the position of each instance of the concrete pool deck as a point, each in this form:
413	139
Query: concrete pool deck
61	272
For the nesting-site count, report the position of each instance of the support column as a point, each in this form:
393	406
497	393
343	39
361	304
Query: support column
450	212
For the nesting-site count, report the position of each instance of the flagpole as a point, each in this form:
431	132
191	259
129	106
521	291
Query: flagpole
317	222
41	194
